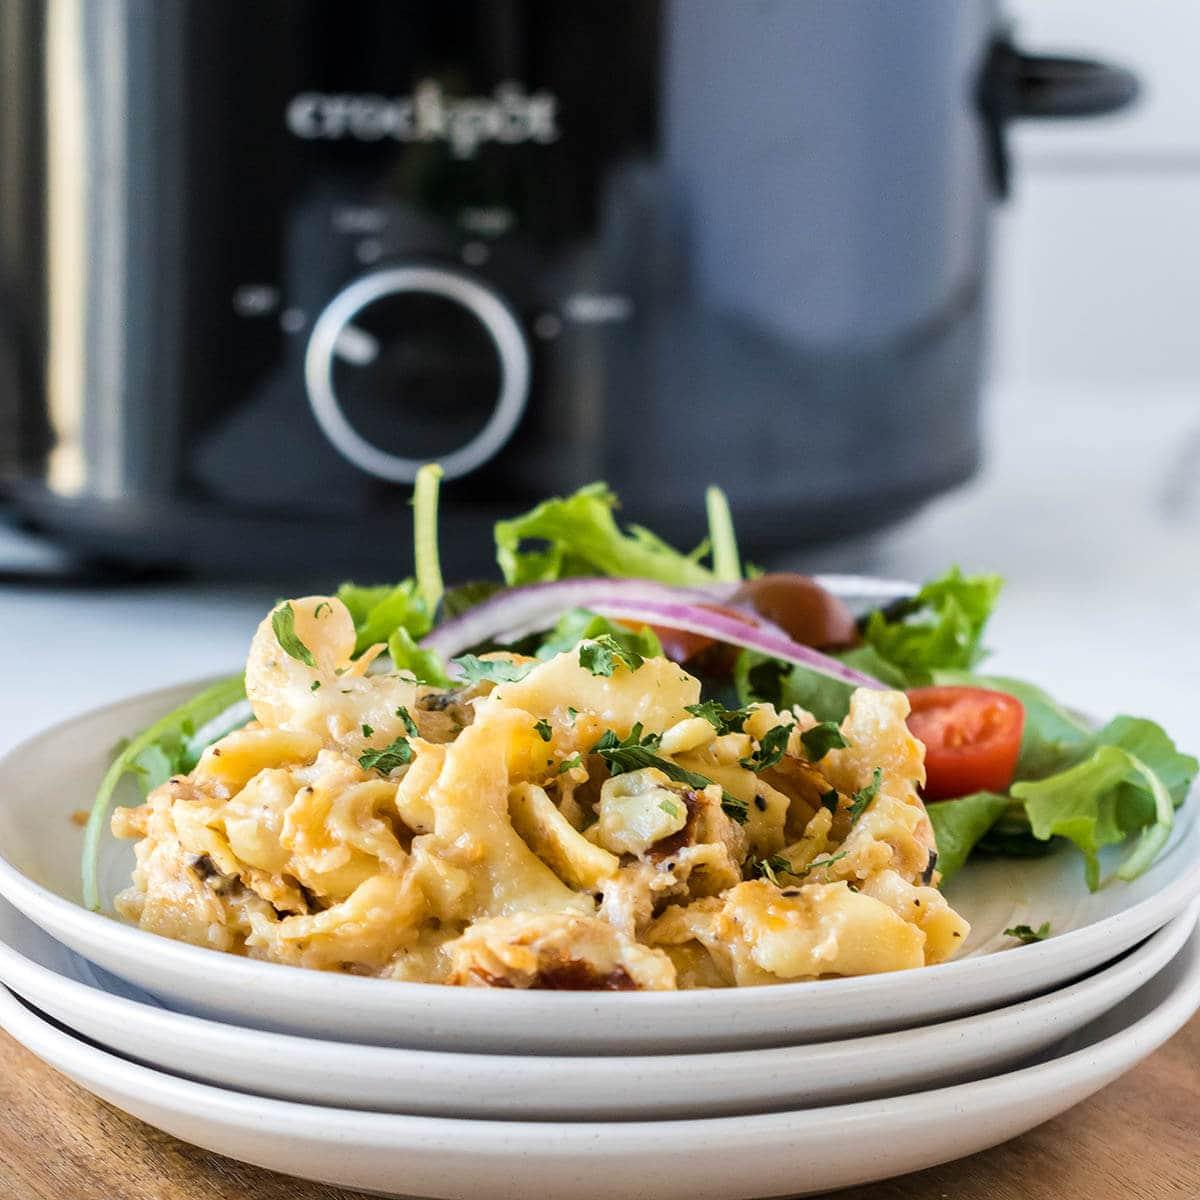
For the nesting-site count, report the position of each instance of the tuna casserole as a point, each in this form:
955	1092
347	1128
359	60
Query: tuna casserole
584	822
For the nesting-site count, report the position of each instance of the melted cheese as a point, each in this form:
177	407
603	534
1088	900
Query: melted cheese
494	848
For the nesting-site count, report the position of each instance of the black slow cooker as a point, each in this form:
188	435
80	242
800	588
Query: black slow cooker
259	261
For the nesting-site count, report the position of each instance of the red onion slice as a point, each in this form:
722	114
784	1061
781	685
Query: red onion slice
517	612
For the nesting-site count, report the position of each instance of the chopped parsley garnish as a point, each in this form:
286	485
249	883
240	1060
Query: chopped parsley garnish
669	807
722	719
283	623
1026	934
769	868
830	800
316	683
409	723
569	764
324	604
822	738
731	806
863	797
820	863
543	730
572	712
770	749
765	868
367	730
601	655
631	753
498	670
635	752
385	761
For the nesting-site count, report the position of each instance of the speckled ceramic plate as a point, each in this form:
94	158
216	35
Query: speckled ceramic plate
543	1087
765	1154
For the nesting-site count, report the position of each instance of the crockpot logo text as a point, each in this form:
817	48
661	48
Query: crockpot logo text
509	116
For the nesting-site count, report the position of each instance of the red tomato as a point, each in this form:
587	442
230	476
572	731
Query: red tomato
972	738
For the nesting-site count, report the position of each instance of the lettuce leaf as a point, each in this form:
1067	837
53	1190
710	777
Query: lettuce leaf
426	666
1094	787
757	677
1153	748
958	826
1011	837
171	744
579	535
941	627
1099	802
379	610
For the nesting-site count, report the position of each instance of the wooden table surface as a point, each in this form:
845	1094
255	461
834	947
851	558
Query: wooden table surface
1137	1140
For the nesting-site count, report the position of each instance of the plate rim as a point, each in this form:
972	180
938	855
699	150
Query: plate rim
331	1126
17	969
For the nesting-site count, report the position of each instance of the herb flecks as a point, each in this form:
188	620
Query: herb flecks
636	752
771	749
766	868
820	739
1026	934
601	655
731	806
630	753
777	864
543	730
670	808
829	800
861	799
497	670
820	864
398	754
569	764
283	624
722	719
409	724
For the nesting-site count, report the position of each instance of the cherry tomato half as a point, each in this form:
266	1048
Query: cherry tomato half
972	738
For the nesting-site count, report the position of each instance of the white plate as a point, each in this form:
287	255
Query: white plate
108	1011
773	1154
51	776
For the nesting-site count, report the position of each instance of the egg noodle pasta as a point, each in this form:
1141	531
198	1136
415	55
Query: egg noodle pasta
579	822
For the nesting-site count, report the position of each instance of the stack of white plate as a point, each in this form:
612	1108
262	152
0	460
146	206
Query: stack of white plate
447	1092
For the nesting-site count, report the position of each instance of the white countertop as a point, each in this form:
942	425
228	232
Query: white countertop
1089	506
